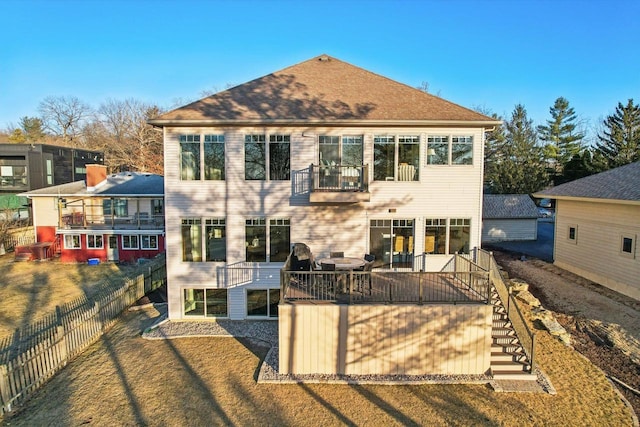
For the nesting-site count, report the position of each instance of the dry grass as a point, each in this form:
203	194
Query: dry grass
126	380
29	290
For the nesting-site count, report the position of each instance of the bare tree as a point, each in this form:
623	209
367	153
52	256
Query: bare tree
64	116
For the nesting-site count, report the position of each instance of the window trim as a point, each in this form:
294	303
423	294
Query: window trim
101	241
150	248
450	143
396	140
573	240
632	253
128	237
204	309
260	316
78	235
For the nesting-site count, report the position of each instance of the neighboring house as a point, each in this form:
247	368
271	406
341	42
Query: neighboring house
333	156
597	227
118	217
509	217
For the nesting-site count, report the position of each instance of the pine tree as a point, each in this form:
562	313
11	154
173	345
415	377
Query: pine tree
514	160
562	139
619	142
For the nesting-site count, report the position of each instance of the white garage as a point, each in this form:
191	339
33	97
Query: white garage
508	217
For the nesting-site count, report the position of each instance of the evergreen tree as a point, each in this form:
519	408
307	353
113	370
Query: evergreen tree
562	139
515	162
619	142
32	128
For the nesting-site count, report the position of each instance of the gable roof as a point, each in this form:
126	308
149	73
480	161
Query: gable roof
323	90
621	184
508	206
134	184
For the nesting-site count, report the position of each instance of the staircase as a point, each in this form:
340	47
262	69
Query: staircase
508	360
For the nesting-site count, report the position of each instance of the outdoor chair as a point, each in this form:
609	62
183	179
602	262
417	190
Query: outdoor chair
369	257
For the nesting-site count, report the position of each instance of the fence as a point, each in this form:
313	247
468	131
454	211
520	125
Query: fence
35	353
17	237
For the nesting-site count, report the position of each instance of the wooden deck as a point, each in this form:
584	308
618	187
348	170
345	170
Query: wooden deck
386	287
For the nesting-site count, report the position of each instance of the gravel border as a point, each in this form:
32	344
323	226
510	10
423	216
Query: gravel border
266	331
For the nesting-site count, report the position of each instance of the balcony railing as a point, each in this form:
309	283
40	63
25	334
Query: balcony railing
141	220
351	182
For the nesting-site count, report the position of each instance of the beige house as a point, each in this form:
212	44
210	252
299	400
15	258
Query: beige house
343	160
597	227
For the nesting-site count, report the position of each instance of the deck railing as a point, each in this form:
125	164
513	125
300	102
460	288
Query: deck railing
339	178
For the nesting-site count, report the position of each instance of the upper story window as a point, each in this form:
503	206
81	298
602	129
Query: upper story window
277	151
346	151
191	232
449	150
276	237
189	157
396	158
116	207
202	159
279	157
216	239
255	167
213	149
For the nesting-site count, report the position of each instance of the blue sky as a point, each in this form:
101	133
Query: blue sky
493	54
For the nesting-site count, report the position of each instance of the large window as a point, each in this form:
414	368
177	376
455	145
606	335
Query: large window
263	302
435	236
459	235
191	239
396	158
278	235
129	241
255	167
116	207
205	302
72	241
392	242
215	230
189	157
149	241
12	176
94	241
450	150
345	151
279	157
214	157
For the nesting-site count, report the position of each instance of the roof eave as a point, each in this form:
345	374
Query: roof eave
318	122
587	199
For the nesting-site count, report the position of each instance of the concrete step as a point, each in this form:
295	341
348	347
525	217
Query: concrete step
518	376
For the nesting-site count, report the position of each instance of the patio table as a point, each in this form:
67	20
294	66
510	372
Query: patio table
345	263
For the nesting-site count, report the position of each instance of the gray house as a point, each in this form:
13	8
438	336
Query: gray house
509	217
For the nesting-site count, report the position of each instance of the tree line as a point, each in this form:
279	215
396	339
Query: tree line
519	157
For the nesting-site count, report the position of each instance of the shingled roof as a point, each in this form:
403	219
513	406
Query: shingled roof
508	206
621	184
121	184
323	90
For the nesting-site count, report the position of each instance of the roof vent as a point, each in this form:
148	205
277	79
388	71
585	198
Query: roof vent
323	58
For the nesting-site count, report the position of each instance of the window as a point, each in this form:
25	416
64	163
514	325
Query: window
191	240
94	241
149	241
335	151
205	302
461	150
279	157
49	169
189	157
116	207
214	157
279	240
157	205
256	240
627	245
129	241
391	241
459	235
263	302
215	230
254	157
435	236
438	150
72	241
391	154
572	234
12	176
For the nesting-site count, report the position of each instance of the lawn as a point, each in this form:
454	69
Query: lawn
29	290
127	380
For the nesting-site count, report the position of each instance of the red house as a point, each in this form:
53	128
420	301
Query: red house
118	217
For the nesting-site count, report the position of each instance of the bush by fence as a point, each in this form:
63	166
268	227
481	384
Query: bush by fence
32	355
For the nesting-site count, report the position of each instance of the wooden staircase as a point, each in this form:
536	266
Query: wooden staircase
508	359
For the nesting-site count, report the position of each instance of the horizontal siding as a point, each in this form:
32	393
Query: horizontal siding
596	253
384	339
499	230
442	192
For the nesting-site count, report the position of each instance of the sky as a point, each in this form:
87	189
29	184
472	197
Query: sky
491	54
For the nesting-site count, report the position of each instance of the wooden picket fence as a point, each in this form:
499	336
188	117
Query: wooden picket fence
31	356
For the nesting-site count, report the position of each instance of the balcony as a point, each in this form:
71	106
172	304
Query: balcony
137	221
339	184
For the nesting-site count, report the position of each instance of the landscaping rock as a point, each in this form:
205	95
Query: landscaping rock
528	298
518	285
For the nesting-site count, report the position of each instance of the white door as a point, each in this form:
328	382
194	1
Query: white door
112	248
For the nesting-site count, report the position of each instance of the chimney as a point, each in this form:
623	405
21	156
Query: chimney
95	175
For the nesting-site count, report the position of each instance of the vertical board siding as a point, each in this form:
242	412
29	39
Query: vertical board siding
384	339
596	253
442	192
